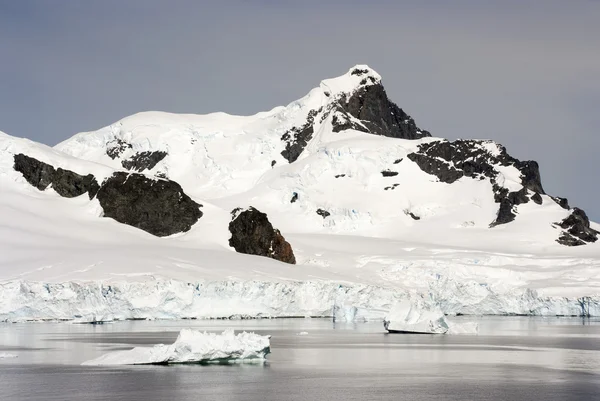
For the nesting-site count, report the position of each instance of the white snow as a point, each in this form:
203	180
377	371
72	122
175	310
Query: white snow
419	318
193	346
59	259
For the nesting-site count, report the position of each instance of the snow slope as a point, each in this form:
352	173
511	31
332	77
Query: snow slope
59	259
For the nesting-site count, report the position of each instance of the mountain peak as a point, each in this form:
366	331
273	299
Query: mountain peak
358	76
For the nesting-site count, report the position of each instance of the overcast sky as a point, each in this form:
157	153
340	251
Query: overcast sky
524	73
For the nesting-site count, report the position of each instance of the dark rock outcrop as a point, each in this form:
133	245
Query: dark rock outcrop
414	216
297	138
377	113
294	197
537	198
323	213
577	229
143	160
159	207
253	234
116	147
389	173
562	202
65	182
450	161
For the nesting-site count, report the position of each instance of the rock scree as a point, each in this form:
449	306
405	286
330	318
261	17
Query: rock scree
253	234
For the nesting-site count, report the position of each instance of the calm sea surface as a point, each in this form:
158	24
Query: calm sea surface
511	359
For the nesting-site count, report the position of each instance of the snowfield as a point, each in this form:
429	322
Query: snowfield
193	346
387	239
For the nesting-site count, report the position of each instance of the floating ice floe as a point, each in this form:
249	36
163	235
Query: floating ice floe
6	355
193	346
409	317
302	333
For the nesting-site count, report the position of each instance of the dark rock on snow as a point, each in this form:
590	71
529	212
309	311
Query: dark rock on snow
379	114
562	202
116	147
159	207
450	161
297	138
323	213
65	182
253	234
537	198
294	197
577	229
143	160
389	173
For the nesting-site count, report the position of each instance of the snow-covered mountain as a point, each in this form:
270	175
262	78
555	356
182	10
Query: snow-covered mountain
143	218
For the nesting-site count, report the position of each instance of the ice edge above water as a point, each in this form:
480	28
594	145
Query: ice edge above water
172	299
194	347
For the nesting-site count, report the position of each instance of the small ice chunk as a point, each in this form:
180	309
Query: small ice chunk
193	346
409	317
303	333
6	355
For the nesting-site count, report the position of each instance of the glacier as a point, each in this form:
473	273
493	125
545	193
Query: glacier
193	346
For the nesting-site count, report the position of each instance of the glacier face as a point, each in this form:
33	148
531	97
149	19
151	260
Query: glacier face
369	227
158	299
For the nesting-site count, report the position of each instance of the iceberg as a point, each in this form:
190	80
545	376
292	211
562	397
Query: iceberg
194	347
5	355
418	318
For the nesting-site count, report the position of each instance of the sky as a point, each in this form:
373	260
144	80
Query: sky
523	73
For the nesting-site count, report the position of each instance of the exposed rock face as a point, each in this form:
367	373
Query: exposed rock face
143	160
297	138
367	109
378	114
294	197
253	234
450	161
577	229
159	207
389	173
65	182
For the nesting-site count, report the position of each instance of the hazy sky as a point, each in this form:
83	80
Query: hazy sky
524	73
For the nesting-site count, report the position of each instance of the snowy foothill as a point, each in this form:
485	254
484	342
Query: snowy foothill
195	347
419	318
